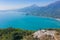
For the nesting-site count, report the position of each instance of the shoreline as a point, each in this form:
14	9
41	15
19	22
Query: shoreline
57	19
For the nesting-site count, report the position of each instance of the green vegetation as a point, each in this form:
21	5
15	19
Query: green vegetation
14	34
18	34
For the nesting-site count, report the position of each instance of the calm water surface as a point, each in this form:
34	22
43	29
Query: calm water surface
20	20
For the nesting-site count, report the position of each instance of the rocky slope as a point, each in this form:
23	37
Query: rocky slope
45	35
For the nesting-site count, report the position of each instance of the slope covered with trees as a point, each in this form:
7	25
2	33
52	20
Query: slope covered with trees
13	34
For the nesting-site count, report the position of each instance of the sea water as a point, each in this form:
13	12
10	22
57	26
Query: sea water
22	21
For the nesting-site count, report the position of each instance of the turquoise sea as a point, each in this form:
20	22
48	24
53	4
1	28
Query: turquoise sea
22	21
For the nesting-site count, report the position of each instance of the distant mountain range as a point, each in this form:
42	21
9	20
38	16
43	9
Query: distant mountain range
52	10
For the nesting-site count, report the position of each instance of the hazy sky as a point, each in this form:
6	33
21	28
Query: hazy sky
13	4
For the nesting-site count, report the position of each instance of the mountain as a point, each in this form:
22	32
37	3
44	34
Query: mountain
30	8
52	10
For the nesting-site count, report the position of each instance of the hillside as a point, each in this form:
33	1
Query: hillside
13	34
50	34
19	34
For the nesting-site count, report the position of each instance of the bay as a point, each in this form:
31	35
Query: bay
22	21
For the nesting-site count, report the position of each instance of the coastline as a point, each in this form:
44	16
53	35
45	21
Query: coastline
58	19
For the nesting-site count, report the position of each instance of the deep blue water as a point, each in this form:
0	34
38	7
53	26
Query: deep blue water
20	20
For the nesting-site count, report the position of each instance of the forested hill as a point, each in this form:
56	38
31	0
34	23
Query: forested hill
14	34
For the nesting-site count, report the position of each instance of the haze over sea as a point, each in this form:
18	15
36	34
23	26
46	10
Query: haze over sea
22	21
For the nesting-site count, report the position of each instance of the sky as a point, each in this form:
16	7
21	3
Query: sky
15	4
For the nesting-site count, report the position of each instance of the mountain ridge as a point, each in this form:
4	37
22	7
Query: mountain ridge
52	10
